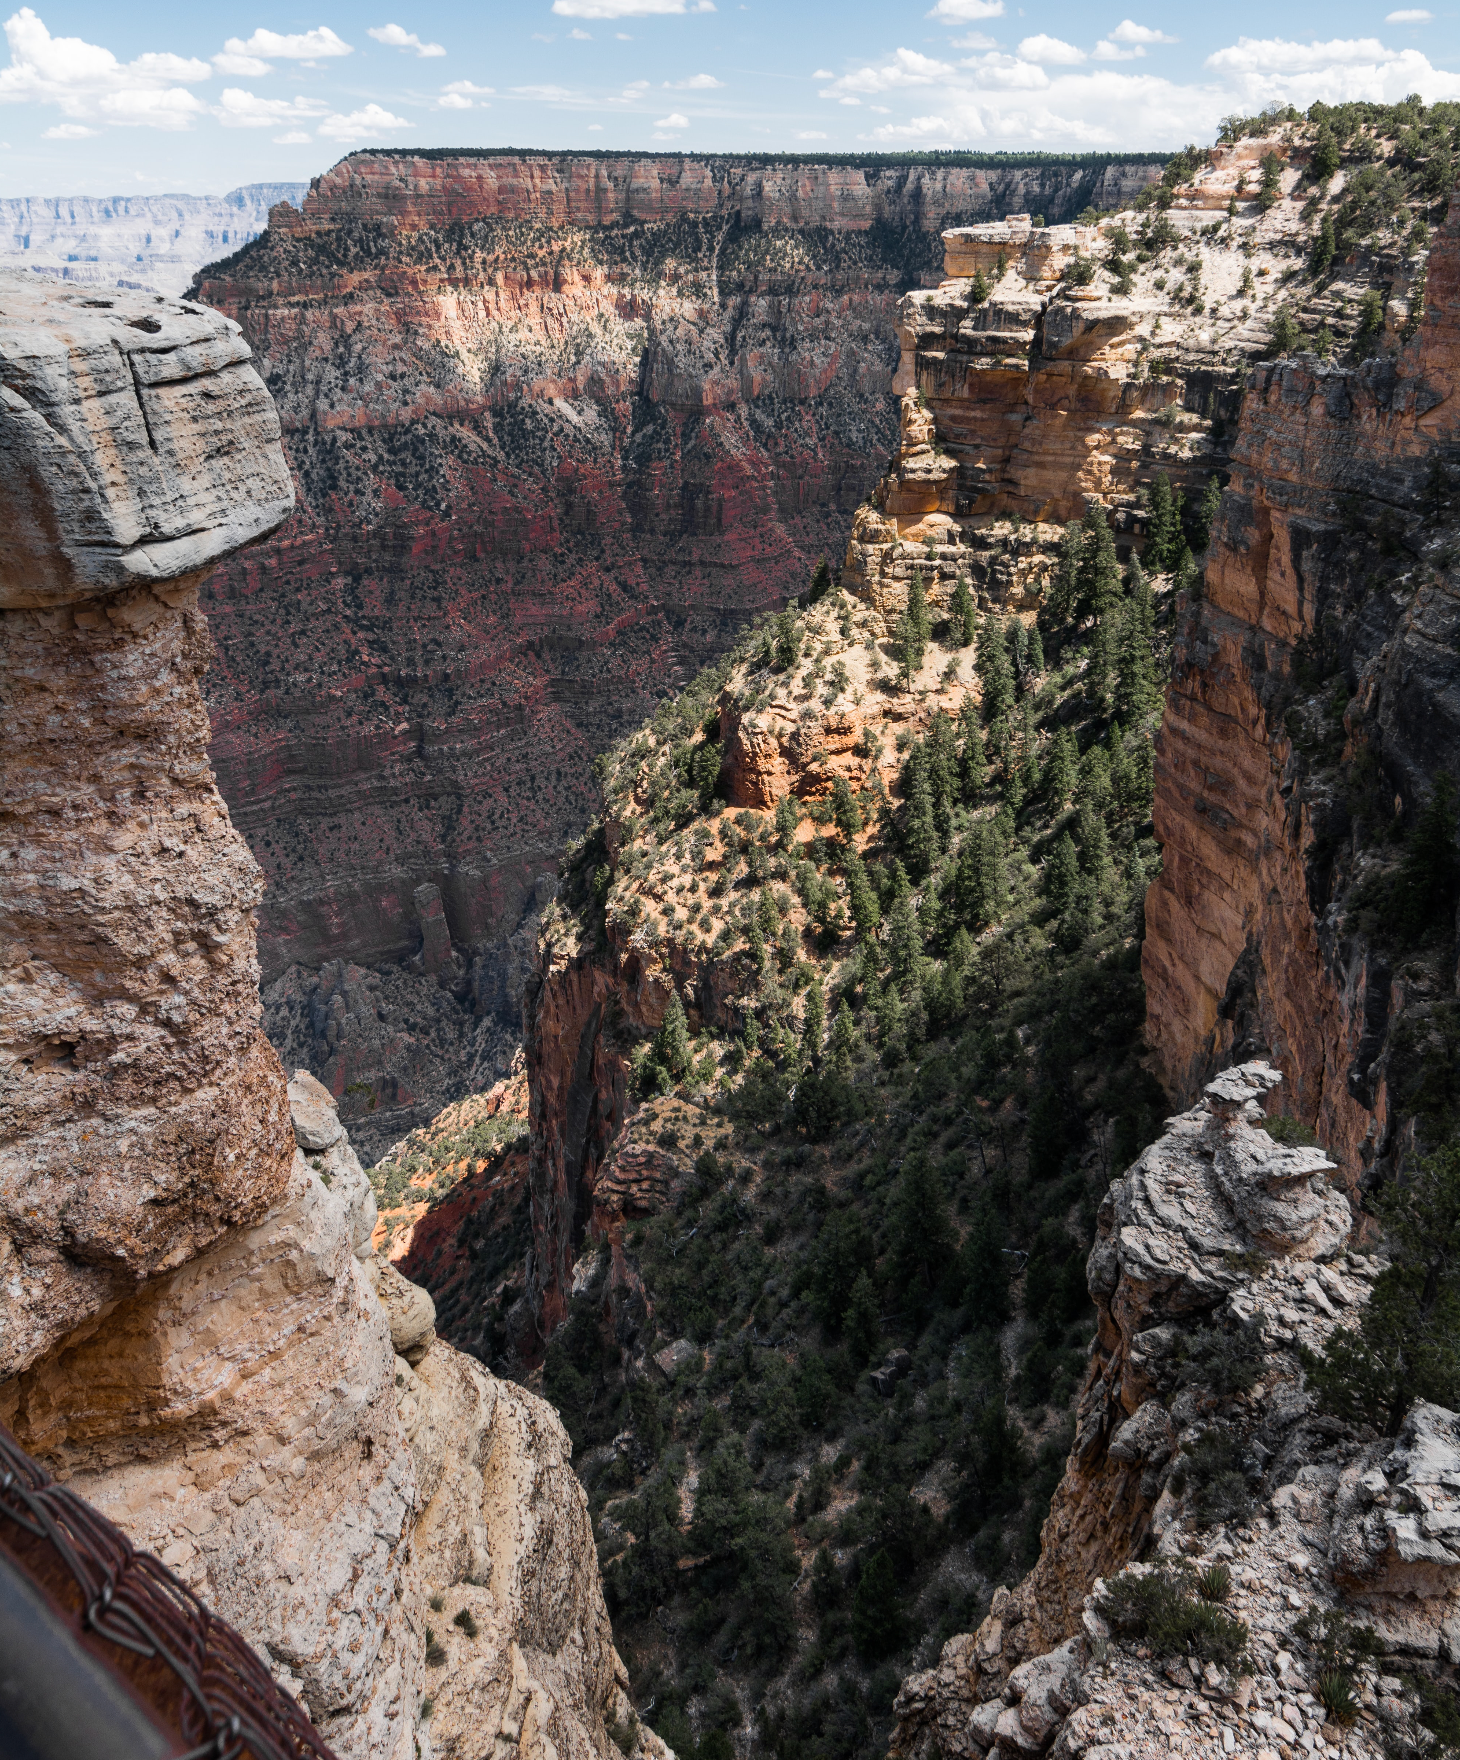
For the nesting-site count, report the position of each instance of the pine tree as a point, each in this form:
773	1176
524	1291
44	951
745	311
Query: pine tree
820	581
862	1322
913	631
941	747
1059	769
862	902
980	889
995	673
920	833
787	819
842	1049
973	770
980	289
1062	873
1371	318
877	1609
1065	593
1211	500
1163	524
962	614
904	940
1406	1346
1094	847
1136	691
1285	335
1099	569
984	1271
1324	161
1143	603
1324	248
813	1021
1184	572
1036	651
846	814
1101	663
671	1049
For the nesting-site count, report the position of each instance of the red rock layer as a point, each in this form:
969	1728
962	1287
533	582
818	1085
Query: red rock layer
1237	912
584	190
559	426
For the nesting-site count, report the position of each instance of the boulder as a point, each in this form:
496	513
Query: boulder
409	1311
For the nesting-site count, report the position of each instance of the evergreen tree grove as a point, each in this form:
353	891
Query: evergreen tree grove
913	631
995	672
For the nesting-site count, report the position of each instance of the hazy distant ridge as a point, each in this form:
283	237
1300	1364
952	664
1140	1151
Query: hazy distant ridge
135	241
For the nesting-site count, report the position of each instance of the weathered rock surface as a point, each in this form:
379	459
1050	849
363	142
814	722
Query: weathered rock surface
141	1109
1246	943
559	427
1210	1228
191	1325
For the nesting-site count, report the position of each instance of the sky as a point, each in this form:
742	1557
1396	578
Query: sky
175	97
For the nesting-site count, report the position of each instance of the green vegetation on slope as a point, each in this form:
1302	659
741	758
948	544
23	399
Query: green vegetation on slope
926	1080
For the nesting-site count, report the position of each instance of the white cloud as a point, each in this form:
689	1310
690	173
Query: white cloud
809	134
697	82
468	90
609	9
1105	50
595	128
1344	70
88	84
453	101
1127	31
316	45
823	73
622	37
68	131
360	125
542	94
1409	15
240	66
1049	49
240	109
394	36
905	67
974	40
296	137
673	120
966	12
580	36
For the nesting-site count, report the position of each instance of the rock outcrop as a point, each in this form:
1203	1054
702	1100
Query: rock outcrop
195	1334
1321	640
560	425
1217	1232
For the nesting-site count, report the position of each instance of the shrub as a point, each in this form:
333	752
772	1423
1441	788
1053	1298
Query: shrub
877	1609
1160	1608
1336	1691
435	1650
466	1623
1407	1343
1214	1583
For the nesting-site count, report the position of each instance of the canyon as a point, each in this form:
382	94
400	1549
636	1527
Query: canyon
154	243
194	1332
1308	717
559	426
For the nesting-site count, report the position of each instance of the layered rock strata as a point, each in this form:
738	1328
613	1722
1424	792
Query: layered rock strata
1328	561
195	1332
1216	1227
559	427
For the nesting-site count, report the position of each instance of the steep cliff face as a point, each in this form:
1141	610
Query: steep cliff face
1311	708
559	427
194	1329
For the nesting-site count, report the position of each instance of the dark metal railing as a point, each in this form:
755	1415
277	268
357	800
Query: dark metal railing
197	1675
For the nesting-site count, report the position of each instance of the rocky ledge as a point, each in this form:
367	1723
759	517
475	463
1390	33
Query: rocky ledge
1219	1246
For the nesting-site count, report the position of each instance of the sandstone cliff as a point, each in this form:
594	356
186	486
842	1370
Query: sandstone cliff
195	1332
559	426
1311	709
